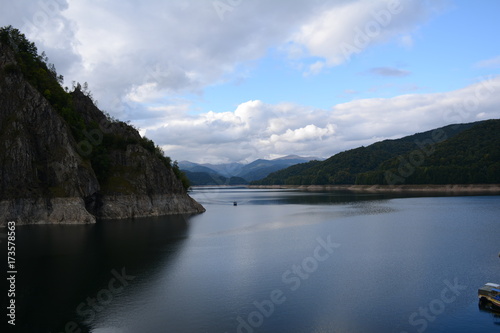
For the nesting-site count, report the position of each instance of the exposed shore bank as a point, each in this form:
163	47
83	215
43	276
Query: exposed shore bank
74	211
452	189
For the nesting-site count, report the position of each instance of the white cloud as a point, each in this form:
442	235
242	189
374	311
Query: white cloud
148	49
259	130
139	57
343	31
44	23
310	132
138	52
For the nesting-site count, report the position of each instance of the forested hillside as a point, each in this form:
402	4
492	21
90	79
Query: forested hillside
472	157
454	154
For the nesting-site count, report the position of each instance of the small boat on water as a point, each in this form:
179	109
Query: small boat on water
235	203
489	294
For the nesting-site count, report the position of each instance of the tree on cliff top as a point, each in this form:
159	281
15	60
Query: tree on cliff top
44	78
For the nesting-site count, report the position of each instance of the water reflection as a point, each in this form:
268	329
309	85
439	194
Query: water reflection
227	196
62	266
200	274
491	309
316	198
243	195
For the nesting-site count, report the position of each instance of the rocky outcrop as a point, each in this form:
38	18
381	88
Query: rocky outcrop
37	154
129	206
54	172
45	211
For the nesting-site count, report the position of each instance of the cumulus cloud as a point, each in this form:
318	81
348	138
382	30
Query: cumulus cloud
309	132
343	31
139	52
259	130
44	23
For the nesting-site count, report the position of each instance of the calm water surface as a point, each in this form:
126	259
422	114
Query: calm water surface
279	261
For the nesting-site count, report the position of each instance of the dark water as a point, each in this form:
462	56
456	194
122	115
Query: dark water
279	261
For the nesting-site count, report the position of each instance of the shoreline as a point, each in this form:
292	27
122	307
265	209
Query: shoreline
450	189
73	210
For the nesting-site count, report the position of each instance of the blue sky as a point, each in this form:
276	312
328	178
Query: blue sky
446	48
224	81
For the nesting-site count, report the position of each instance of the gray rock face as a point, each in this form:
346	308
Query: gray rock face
45	211
128	206
46	178
37	152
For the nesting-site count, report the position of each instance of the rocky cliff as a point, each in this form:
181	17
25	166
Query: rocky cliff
63	161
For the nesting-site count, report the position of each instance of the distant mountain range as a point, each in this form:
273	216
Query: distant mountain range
454	154
237	173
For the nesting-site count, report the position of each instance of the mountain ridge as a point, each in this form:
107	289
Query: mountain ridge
364	165
232	173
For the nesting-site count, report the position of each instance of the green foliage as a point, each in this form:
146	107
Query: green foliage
43	77
15	39
101	163
181	175
150	146
473	157
471	154
288	176
11	69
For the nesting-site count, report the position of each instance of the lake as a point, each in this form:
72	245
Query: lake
279	261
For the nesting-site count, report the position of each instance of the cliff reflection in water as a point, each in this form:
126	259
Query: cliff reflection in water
71	269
